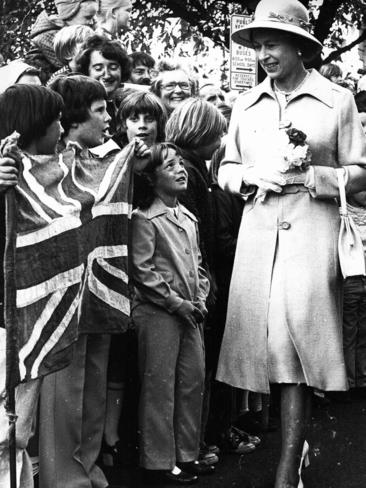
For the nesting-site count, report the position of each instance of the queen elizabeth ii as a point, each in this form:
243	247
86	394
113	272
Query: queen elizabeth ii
284	322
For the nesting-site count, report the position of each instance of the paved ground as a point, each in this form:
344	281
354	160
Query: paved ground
337	456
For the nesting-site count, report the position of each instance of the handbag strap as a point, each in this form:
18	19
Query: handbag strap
342	190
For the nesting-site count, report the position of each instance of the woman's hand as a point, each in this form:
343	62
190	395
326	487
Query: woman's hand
189	313
265	180
8	174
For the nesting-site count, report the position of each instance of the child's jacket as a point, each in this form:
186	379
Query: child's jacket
166	258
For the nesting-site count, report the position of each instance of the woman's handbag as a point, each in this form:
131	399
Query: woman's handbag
350	247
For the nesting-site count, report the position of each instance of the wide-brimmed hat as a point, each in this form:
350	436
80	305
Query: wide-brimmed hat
284	15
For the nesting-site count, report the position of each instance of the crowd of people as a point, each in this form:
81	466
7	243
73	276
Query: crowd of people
238	308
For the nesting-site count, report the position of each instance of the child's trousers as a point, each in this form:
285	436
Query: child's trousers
171	365
354	330
72	414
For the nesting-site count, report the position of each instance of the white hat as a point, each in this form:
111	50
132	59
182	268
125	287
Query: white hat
11	72
285	15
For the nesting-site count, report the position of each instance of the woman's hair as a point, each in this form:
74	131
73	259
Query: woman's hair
111	50
67	39
329	70
29	110
141	102
158	152
168	65
360	99
78	93
195	123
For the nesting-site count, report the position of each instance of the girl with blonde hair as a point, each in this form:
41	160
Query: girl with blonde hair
113	17
196	127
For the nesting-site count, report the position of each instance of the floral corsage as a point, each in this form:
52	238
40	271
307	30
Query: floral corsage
294	157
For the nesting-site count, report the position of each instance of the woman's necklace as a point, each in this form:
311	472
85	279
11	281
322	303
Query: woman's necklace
286	94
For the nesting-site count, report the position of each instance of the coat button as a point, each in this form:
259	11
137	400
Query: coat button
180	229
187	251
285	225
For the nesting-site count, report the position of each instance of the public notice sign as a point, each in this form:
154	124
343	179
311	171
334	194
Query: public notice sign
243	63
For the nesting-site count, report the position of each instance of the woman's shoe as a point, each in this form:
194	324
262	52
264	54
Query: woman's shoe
305	461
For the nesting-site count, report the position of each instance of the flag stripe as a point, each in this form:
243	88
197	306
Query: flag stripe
117	208
113	270
60	208
55	337
30	295
115	284
56	227
107	295
69	249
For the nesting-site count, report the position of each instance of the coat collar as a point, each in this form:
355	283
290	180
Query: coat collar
315	86
158	207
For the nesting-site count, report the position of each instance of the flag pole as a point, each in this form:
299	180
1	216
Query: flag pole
10	319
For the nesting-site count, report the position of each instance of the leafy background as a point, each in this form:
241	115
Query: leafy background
195	29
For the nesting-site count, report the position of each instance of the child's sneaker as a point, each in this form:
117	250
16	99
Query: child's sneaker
236	441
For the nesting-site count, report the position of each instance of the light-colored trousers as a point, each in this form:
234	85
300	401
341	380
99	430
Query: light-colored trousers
26	401
171	365
72	414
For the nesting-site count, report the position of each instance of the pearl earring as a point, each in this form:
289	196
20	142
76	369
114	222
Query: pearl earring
299	53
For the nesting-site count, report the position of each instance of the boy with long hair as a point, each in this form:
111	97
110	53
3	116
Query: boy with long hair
34	112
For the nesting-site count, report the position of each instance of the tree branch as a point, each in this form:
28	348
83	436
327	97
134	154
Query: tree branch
335	54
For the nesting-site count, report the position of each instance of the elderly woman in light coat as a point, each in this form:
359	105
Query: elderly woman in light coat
284	318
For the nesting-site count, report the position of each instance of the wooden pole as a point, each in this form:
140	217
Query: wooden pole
10	319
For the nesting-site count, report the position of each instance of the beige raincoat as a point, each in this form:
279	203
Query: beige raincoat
287	245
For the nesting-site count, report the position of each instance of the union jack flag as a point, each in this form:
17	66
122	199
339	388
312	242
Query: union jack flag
71	253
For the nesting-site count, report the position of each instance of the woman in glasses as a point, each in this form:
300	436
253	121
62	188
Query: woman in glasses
173	85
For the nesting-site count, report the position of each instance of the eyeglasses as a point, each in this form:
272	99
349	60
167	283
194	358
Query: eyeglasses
140	72
172	86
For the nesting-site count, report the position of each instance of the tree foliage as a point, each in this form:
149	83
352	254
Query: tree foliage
16	19
209	18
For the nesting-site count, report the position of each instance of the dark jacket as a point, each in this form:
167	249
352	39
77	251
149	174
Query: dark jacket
198	200
228	210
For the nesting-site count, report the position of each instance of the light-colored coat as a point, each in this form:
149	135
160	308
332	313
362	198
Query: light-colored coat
291	238
166	258
167	270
